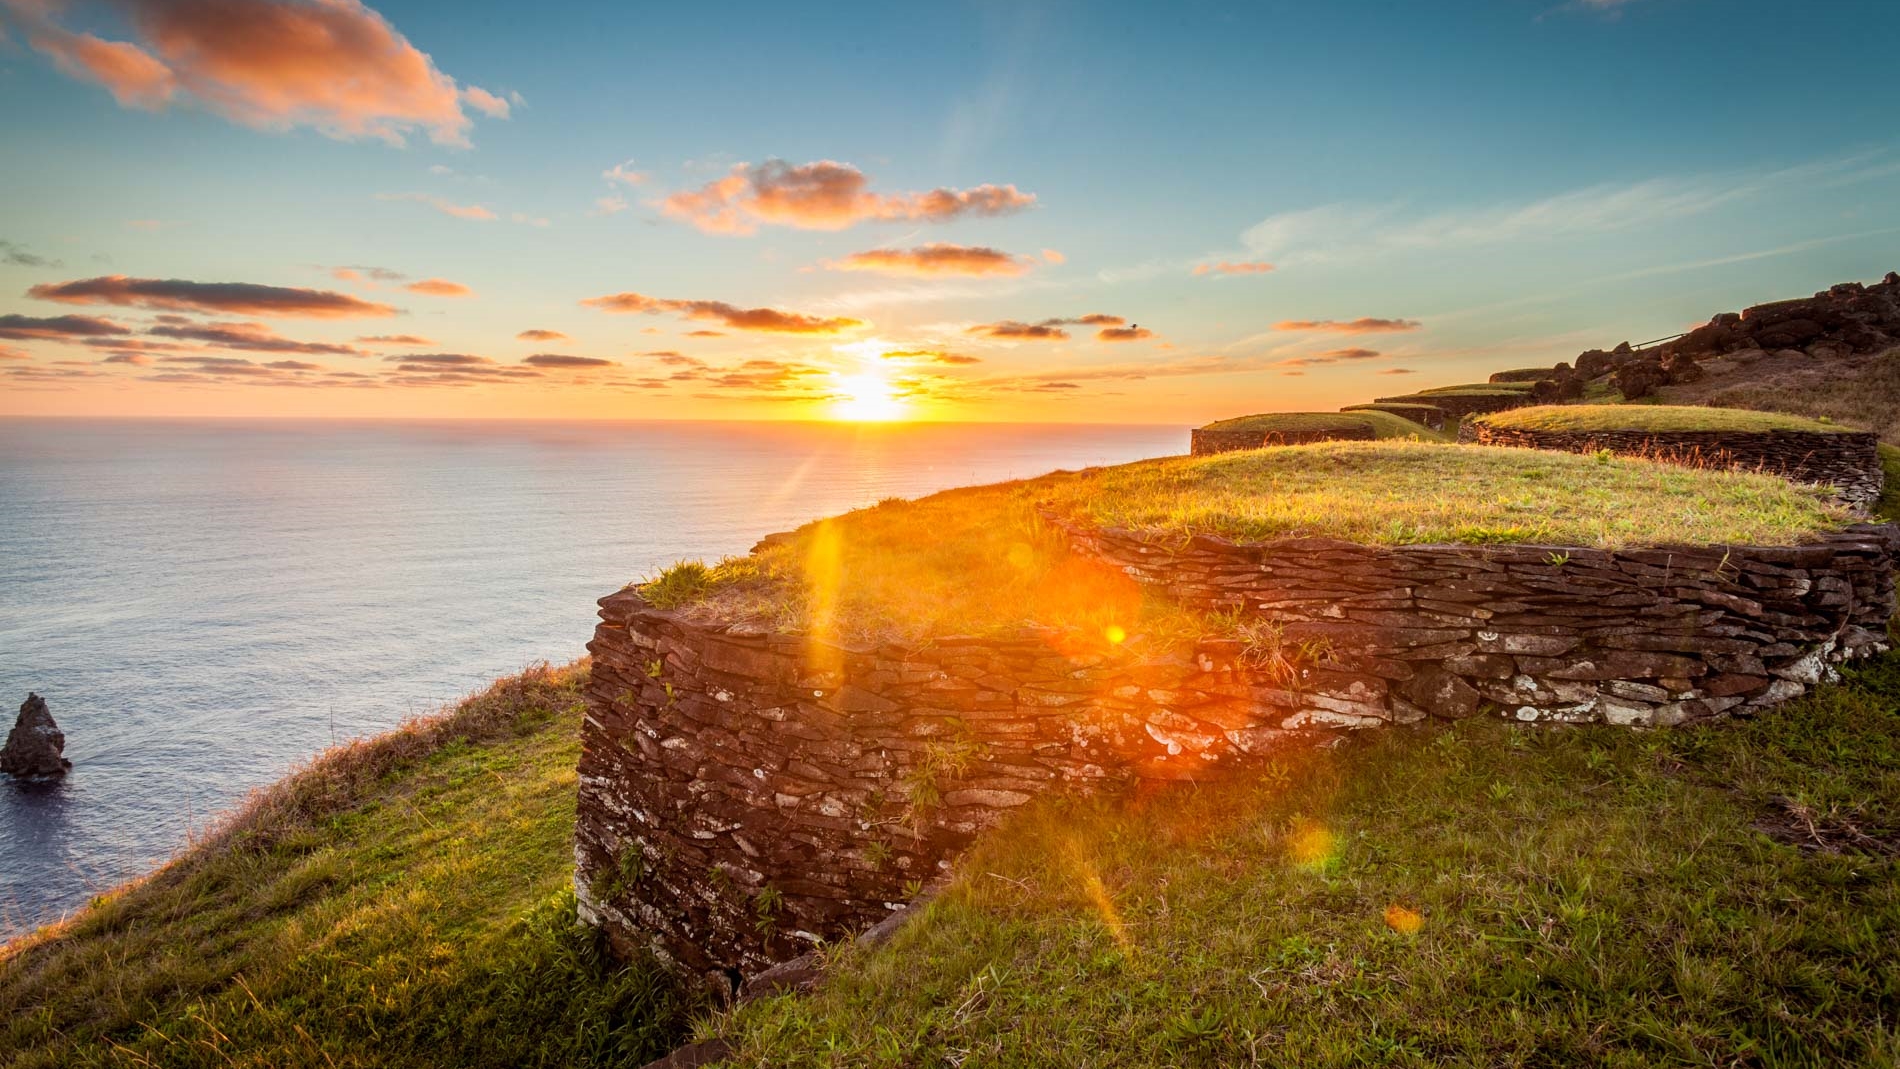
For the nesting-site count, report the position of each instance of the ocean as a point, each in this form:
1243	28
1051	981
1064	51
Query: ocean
204	604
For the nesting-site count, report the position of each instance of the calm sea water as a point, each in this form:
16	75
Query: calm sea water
204	604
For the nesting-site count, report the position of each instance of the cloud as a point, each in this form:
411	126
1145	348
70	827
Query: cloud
334	65
768	320
930	356
8	352
438	287
440	359
1232	267
359	273
624	173
11	253
1397	371
444	205
237	298
394	339
134	359
1053	256
612	204
1350	354
1355	231
933	260
1114	328
1363	325
57	328
253	337
825	195
293	365
485	102
1011	329
559	360
542	335
705	333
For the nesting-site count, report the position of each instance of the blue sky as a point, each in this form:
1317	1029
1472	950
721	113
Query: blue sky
1502	183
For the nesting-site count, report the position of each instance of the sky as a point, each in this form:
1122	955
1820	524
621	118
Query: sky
1015	211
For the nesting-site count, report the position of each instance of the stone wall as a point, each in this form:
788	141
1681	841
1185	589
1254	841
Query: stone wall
1208	442
743	795
1425	415
1848	461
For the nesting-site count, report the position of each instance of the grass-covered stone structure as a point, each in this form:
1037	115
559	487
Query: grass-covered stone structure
1300	428
878	688
1456	402
1795	447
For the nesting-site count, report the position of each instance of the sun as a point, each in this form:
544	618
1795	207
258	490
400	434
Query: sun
865	398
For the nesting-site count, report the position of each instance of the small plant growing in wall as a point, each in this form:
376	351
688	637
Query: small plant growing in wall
879	855
766	903
1556	559
941	761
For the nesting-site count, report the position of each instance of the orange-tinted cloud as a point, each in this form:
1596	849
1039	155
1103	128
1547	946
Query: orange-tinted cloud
542	335
477	212
1114	328
624	172
930	356
560	360
334	65
1014	330
825	195
1366	325
1398	371
57	328
933	260
8	352
252	337
395	339
236	298
440	359
705	333
439	287
1053	256
767	320
1230	267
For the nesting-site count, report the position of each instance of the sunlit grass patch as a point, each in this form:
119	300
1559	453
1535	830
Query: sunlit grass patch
1489	894
1381	424
1584	418
983	560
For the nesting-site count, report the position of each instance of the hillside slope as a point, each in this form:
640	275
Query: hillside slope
402	901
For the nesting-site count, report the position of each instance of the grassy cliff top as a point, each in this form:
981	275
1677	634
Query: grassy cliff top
980	560
1381	424
1651	418
402	900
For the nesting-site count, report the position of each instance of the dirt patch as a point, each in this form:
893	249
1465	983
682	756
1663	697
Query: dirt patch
1831	831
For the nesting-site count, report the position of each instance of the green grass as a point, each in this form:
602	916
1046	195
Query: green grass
1381	424
1888	507
1484	895
980	561
1586	418
402	901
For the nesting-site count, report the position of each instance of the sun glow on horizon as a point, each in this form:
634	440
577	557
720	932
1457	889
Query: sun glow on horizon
867	397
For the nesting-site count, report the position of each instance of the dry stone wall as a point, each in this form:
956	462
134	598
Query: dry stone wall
743	795
1208	442
1848	461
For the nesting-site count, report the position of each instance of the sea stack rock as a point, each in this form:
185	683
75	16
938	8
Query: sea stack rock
34	746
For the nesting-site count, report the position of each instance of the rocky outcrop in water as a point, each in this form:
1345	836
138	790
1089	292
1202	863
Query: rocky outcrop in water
34	747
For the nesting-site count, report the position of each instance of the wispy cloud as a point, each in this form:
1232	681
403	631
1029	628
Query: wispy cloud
439	287
1355	232
444	205
766	320
241	298
935	260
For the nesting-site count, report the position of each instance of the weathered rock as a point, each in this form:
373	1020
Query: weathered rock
35	745
1639	379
